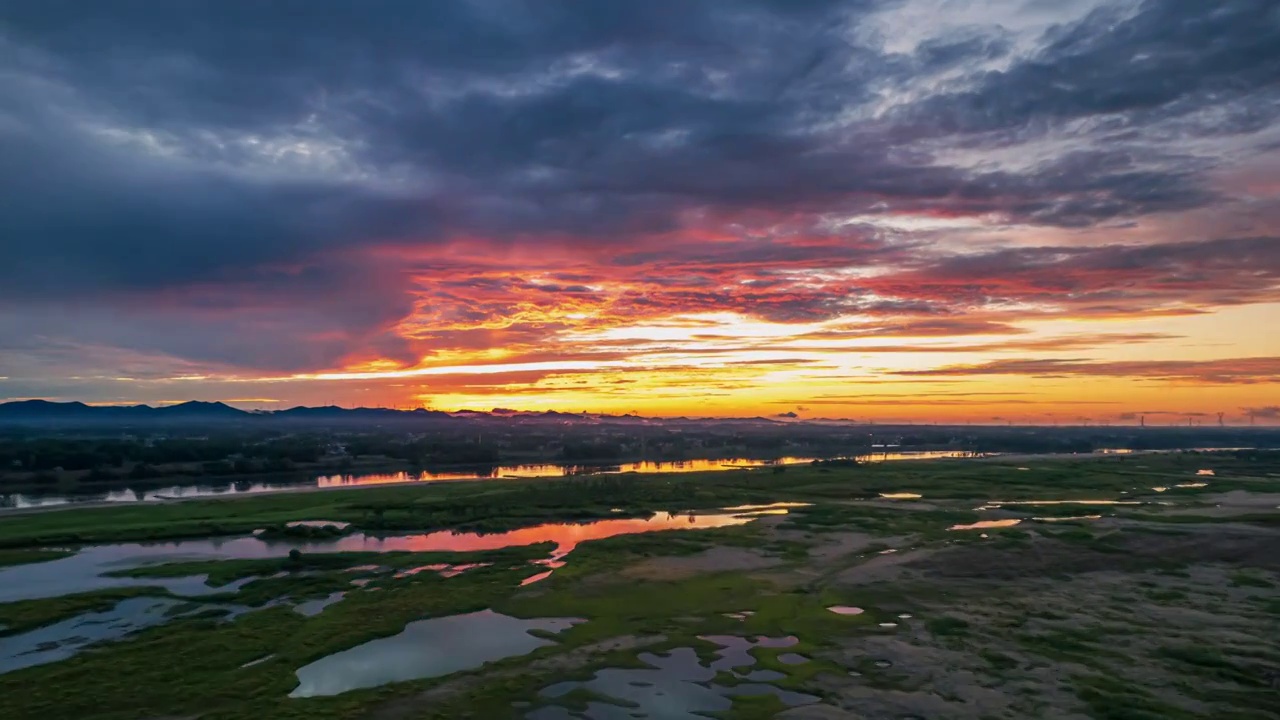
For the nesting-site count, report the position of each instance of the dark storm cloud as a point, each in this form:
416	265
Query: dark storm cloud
1167	58
537	116
82	219
160	158
453	92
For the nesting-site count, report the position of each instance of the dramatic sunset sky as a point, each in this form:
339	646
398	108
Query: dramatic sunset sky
1024	210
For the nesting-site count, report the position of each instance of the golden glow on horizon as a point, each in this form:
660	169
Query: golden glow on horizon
724	364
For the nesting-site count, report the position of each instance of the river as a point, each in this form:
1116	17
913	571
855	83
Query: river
224	488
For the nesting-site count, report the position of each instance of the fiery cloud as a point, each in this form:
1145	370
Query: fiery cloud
684	207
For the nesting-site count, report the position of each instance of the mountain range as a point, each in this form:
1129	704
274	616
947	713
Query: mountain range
45	412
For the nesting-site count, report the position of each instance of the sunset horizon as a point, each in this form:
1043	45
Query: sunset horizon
917	211
665	359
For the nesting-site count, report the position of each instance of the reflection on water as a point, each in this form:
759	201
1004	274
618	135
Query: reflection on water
536	578
301	482
900	496
443	569
88	569
61	640
766	508
1067	519
984	524
845	610
259	661
997	504
312	608
674	686
425	649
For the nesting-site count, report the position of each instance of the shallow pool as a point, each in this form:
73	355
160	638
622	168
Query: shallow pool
425	649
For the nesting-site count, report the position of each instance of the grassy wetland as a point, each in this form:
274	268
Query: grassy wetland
1127	587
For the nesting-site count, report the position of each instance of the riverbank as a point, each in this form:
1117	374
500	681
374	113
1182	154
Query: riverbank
1092	588
159	492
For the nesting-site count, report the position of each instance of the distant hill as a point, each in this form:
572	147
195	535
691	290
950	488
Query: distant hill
72	414
43	411
195	408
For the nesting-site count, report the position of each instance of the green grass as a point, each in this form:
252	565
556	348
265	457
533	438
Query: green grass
947	626
192	665
23	557
1247	579
752	707
1112	698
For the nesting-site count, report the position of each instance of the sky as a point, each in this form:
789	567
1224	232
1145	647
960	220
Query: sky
884	210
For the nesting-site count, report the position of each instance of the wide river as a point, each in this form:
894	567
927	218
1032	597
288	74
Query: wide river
285	483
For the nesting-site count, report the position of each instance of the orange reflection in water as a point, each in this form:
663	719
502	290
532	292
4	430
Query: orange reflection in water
555	471
566	536
647	466
983	524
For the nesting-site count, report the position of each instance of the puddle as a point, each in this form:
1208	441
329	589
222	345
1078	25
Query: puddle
982	524
64	639
536	578
1067	519
673	686
779	642
736	651
1204	472
311	608
1192	485
901	496
1160	489
87	570
765	508
998	504
846	610
259	661
904	616
888	625
443	569
425	649
890	551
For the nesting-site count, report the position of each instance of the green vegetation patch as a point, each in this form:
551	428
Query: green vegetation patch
23	557
947	626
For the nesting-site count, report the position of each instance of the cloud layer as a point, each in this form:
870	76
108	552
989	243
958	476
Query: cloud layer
732	196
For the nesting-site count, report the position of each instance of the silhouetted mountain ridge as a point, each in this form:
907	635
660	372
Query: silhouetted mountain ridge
45	412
